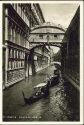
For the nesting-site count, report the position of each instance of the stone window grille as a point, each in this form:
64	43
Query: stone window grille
41	36
55	36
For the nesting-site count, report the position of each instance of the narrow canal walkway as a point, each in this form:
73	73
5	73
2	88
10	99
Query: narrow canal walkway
58	106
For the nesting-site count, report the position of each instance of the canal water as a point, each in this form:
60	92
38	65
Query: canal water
62	104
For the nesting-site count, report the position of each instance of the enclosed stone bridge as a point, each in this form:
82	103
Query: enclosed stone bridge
47	34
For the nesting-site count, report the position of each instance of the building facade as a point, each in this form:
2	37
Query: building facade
17	22
71	51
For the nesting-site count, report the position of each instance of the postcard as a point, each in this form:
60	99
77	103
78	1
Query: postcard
42	62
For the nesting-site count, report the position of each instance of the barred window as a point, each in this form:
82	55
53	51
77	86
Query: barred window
41	36
55	36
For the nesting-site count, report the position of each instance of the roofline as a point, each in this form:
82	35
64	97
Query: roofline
77	13
41	12
55	27
45	33
36	4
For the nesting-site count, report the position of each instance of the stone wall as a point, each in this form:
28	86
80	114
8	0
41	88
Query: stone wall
14	76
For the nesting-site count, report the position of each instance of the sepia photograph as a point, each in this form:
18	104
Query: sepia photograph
41	62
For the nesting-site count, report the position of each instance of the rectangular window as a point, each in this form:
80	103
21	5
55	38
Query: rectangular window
11	53
41	36
9	65
23	64
14	53
55	36
17	53
12	64
13	35
18	64
9	32
20	54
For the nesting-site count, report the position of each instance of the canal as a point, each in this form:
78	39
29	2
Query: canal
62	104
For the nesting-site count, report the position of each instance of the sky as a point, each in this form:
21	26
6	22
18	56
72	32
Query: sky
59	14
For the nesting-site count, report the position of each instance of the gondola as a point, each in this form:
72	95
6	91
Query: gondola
40	91
53	80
